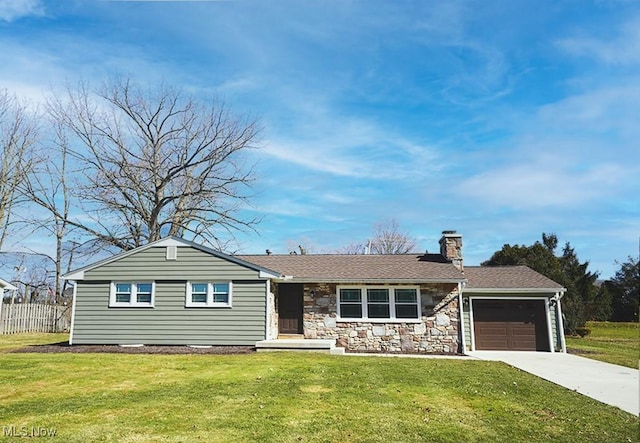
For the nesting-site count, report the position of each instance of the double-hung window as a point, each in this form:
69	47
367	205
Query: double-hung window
377	303
132	294
350	302
406	302
209	294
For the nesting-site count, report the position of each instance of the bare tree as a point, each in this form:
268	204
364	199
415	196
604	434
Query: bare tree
155	163
48	187
388	239
352	249
18	135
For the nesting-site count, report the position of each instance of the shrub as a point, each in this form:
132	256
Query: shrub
583	332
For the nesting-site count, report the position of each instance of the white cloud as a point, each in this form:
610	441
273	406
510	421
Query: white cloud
328	142
611	110
621	50
578	152
541	184
11	10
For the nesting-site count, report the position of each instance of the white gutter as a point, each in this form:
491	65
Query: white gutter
461	309
73	312
267	322
513	290
563	342
368	280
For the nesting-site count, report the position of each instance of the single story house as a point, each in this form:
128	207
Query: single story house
176	292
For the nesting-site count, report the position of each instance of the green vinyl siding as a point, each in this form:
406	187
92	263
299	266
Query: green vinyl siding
170	322
151	264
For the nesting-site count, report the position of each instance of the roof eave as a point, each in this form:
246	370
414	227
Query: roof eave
291	279
6	286
511	290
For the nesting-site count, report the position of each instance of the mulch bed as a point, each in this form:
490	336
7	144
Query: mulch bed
64	347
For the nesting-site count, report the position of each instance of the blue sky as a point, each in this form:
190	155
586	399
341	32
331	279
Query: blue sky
500	119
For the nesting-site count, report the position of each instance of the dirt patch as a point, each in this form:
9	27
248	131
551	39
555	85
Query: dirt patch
64	347
580	351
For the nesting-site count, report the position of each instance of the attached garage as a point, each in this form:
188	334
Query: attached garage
511	308
510	325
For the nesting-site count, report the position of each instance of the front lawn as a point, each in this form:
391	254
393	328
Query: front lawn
611	342
291	397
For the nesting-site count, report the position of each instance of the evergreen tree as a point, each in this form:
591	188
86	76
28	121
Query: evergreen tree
625	291
566	270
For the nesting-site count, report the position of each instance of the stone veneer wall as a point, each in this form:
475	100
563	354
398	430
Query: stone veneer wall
438	332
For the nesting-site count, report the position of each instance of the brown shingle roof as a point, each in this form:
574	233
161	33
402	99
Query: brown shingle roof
336	268
506	277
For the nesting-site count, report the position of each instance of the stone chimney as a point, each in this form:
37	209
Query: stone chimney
451	248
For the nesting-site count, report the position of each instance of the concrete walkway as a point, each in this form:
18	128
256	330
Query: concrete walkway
611	384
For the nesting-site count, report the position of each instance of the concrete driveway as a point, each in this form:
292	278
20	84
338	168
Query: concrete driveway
611	384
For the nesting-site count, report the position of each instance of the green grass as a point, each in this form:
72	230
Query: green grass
15	341
292	397
617	343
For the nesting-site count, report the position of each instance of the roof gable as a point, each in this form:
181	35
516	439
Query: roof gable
78	274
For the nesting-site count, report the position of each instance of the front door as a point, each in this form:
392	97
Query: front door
290	297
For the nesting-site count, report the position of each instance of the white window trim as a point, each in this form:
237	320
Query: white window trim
392	305
132	303
209	303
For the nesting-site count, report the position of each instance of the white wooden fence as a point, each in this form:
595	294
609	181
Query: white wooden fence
34	317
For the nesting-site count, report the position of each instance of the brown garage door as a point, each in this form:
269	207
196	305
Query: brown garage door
514	325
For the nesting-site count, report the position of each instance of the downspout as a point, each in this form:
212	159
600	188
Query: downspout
461	309
267	323
563	343
73	312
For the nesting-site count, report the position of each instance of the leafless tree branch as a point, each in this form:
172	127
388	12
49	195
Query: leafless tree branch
156	163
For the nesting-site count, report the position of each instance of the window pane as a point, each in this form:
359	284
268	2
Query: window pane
378	310
198	292
123	292
122	288
198	298
123	298
143	292
221	298
378	295
406	296
199	288
221	288
350	295
351	311
144	298
406	311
